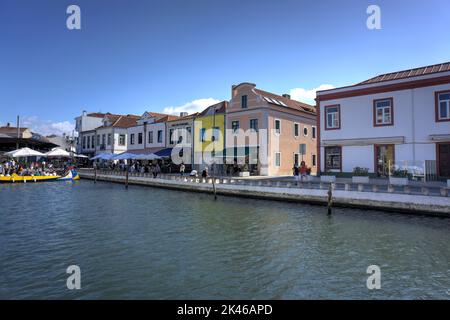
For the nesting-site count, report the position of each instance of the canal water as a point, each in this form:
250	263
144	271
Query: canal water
151	243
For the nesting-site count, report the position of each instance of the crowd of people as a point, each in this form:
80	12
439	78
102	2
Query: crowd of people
10	167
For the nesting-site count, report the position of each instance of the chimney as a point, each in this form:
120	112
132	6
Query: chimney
8	125
287	96
84	113
183	114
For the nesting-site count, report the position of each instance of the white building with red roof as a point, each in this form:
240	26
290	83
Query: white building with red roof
394	121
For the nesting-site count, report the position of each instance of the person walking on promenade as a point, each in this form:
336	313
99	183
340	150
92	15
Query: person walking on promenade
205	173
296	174
156	170
303	170
182	168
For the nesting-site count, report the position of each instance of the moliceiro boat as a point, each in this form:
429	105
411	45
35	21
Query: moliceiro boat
15	178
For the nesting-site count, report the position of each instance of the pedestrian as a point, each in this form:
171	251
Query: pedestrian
205	173
303	170
296	174
182	168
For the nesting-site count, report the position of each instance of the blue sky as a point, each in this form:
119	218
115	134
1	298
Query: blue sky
136	55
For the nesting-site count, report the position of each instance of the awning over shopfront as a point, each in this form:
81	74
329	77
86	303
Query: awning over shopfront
164	153
364	141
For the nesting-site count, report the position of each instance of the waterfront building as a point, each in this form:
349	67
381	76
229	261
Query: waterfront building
179	135
112	136
267	134
398	120
209	133
149	133
85	125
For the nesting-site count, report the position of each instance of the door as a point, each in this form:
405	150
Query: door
444	159
384	159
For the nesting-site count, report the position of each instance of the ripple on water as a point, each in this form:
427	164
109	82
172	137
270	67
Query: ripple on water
154	243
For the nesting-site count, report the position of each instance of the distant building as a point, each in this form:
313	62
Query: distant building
10	138
112	136
85	125
103	132
149	133
64	141
179	135
395	120
209	133
267	134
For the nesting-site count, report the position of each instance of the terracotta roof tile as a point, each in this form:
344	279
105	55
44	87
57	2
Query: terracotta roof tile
437	68
294	104
220	107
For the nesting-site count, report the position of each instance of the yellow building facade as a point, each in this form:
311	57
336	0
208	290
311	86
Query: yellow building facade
209	137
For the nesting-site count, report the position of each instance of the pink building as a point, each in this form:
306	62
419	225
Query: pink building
267	134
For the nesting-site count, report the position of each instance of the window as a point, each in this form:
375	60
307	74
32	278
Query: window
443	106
188	134
98	140
121	139
302	148
180	136
277	159
132	138
383	112
313	160
332	117
244	101
140	138
109	139
296	158
150	137
215	134
333	158
92	141
314	132
84	142
171	136
277	126
305	131
202	134
235	126
103	139
160	134
254	125
296	129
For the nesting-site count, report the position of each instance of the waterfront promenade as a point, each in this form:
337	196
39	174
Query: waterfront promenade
411	199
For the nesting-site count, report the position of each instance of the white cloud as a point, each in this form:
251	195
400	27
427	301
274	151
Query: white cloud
191	107
308	96
47	127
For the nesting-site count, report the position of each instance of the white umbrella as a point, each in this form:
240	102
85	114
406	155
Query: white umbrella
80	156
58	152
25	152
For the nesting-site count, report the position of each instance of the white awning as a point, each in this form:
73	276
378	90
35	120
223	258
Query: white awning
363	141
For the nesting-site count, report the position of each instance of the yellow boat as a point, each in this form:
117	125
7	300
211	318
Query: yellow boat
14	178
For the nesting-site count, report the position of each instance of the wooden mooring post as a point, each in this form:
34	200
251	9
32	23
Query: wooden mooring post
214	188
330	198
126	177
95	174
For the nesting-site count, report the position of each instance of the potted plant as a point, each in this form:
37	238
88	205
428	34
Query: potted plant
399	177
360	175
244	172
